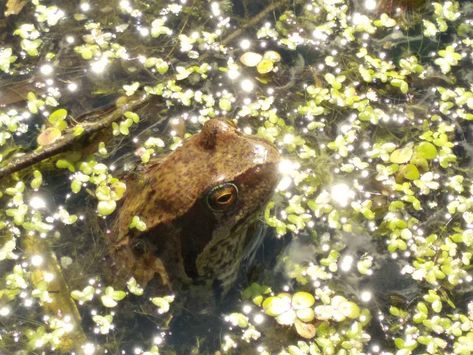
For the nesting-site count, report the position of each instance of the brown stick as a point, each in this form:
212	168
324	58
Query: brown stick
254	20
69	138
61	304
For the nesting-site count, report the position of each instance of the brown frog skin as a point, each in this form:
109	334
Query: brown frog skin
199	204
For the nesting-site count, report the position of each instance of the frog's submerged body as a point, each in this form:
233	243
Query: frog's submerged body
200	204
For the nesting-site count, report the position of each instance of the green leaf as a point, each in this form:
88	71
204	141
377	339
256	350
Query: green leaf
265	66
132	115
225	104
276	305
158	28
137	223
302	299
163	303
102	193
106	207
437	305
427	150
110	297
76	186
87	294
255	292
251	59
410	172
130	89
65	164
237	319
161	66
57	116
78	130
402	155
134	287
37	180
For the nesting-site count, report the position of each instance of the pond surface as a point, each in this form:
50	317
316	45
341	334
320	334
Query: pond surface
236	177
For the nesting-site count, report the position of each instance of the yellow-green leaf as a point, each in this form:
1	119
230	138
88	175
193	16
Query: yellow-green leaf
401	156
410	172
426	150
265	66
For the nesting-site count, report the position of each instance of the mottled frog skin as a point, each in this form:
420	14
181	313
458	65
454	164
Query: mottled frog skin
199	204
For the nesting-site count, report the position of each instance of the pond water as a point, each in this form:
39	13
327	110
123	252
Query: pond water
236	177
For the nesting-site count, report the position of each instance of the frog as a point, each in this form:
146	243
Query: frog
202	205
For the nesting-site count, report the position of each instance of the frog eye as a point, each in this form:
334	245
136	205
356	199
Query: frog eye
222	197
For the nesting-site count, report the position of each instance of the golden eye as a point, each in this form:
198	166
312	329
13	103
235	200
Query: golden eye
222	197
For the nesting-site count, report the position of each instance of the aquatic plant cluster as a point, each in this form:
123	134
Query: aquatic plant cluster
368	101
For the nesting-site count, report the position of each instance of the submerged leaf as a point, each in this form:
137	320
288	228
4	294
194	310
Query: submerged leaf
48	136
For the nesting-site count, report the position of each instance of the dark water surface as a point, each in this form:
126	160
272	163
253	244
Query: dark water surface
368	239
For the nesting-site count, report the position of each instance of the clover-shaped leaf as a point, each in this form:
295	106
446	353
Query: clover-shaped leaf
158	28
138	224
110	297
87	294
134	287
163	303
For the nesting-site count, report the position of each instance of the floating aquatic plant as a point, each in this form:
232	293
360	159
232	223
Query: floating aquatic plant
369	105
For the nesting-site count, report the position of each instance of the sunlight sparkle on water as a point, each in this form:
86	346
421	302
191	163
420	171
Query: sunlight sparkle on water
85	6
357	18
247	85
144	31
4	311
284	183
258	318
245	44
72	87
341	194
319	35
233	73
36	260
375	348
247	130
28	302
370	5
288	138
88	348
365	296
48	277
215	8
125	5
99	66
37	203
46	69
346	263
286	168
